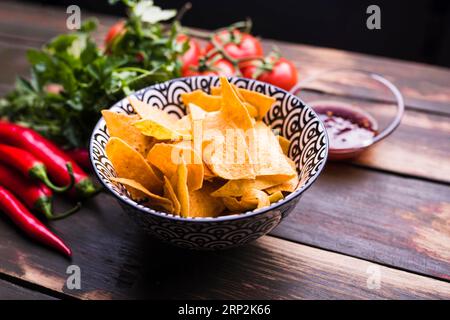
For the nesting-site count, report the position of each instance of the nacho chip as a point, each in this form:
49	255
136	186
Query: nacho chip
130	164
202	99
217	91
240	206
259	101
233	108
202	204
236	188
183	125
260	196
138	191
287	186
267	154
160	131
222	158
179	182
157	123
120	125
262	102
229	160
275	197
252	111
169	193
164	156
284	144
250	200
146	111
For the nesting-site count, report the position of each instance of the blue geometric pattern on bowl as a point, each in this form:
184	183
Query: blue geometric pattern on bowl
289	116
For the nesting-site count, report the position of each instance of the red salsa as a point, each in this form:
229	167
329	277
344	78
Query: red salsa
346	127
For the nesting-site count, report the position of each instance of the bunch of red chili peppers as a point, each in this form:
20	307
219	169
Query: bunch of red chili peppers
31	170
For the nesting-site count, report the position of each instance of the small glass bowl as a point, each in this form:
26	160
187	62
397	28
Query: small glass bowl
345	108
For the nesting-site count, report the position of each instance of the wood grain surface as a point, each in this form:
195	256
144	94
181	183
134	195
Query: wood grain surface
425	87
10	291
393	220
387	212
117	260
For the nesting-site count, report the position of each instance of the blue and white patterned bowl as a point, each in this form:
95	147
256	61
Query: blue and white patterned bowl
289	115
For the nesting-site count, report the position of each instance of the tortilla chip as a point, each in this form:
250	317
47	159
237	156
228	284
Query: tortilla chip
202	99
259	101
183	125
233	108
229	160
262	102
138	191
216	91
221	157
202	204
267	154
169	193
179	181
160	131
284	144
287	186
130	164
120	125
240	206
157	123
236	188
252	111
261	196
275	197
250	200
164	156
146	111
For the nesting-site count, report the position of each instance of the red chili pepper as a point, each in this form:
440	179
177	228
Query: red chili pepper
36	196
23	218
54	159
30	166
81	157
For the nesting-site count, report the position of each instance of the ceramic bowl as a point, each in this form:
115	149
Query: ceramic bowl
289	116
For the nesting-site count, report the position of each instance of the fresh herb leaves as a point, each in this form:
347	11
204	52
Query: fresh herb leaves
72	79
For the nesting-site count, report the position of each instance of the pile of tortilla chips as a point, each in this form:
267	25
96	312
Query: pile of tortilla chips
219	159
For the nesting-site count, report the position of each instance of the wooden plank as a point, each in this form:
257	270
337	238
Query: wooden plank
419	146
425	87
17	64
25	21
118	261
10	291
392	220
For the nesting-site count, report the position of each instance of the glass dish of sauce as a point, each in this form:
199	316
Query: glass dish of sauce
351	129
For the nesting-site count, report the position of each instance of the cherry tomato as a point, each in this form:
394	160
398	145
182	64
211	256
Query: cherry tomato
237	44
191	56
116	29
220	67
277	71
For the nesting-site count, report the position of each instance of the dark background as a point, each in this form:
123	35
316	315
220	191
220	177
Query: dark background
410	30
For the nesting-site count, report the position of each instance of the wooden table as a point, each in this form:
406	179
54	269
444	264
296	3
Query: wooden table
383	216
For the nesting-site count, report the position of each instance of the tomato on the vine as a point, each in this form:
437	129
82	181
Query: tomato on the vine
191	57
215	66
116	29
237	44
274	70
